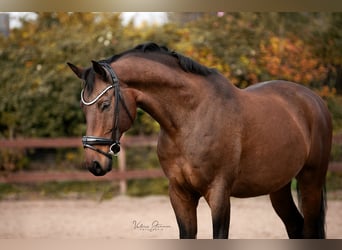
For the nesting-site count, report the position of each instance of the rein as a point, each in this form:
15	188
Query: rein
114	141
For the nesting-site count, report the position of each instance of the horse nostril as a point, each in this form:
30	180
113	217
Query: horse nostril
96	165
96	169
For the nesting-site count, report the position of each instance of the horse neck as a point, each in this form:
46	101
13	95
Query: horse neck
168	94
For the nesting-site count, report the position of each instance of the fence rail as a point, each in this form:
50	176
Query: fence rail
121	175
126	141
46	176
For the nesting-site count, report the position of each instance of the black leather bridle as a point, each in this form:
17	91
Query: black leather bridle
114	142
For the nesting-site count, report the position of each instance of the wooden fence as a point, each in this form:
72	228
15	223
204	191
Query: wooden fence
121	175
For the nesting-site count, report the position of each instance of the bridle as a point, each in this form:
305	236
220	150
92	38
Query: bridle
114	141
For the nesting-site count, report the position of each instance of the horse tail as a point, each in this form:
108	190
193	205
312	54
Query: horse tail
322	214
299	197
323	209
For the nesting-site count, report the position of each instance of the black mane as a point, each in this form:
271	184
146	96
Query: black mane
186	63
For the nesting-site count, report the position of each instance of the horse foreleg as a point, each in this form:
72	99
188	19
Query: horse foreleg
219	203
184	204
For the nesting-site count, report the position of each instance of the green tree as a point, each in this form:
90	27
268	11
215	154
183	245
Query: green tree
241	42
39	96
326	42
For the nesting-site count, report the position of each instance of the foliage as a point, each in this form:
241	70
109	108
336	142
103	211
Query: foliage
334	181
335	107
326	43
40	96
336	153
44	97
262	46
158	186
12	159
142	158
282	58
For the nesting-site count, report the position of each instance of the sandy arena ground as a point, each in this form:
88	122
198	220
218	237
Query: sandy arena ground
135	218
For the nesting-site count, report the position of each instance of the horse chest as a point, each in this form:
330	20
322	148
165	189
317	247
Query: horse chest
196	163
197	177
184	172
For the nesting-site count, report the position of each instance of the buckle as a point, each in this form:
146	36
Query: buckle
114	149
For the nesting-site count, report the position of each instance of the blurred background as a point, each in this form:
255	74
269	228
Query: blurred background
41	123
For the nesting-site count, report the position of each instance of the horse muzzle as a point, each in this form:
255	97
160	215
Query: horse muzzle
96	169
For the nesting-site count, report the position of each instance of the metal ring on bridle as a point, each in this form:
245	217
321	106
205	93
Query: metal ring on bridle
114	149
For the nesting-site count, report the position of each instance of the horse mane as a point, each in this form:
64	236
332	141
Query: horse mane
186	63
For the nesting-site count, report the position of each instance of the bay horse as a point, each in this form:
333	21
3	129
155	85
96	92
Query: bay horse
216	141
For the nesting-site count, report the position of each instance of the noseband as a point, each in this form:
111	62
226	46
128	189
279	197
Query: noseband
114	142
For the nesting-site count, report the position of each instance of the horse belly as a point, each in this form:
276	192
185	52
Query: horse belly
244	188
265	168
264	179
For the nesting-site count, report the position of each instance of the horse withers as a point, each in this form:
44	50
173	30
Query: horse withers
216	141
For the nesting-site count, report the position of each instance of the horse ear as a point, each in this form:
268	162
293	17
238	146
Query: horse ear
98	68
78	71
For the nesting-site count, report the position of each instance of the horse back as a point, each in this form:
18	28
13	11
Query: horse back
298	100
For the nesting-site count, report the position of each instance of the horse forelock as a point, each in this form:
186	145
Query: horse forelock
89	79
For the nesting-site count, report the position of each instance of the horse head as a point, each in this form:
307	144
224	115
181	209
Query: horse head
109	111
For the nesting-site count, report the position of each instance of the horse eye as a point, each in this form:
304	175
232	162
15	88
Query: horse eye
105	105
